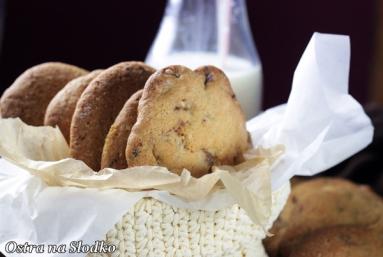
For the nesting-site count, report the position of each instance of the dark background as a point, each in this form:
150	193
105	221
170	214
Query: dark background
97	34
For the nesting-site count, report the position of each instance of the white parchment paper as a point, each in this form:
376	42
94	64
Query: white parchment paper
320	126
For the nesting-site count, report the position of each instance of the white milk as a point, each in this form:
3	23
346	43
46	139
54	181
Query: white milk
245	78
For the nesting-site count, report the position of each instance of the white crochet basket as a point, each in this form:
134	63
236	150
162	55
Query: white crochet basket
154	228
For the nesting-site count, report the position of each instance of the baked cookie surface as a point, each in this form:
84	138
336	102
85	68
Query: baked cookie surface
113	154
61	108
341	241
30	94
98	107
187	119
319	203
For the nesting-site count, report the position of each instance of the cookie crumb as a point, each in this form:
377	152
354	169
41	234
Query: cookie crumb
179	129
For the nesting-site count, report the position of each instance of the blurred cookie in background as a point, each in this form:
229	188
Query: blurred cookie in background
320	203
341	241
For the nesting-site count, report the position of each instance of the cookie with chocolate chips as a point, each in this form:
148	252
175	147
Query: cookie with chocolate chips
188	119
113	154
61	108
99	106
30	94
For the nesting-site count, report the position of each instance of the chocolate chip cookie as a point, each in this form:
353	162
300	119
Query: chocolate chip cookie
113	154
188	119
61	108
322	202
99	106
30	94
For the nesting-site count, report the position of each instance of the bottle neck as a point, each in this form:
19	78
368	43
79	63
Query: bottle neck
195	23
215	27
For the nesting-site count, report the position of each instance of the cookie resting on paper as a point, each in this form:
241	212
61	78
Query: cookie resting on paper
61	108
99	106
113	154
188	119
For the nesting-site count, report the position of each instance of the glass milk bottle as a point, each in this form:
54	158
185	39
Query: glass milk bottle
211	32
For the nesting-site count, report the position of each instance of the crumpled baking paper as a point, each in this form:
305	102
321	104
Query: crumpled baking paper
46	197
321	124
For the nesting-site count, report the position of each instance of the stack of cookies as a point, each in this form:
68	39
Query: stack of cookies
132	115
329	217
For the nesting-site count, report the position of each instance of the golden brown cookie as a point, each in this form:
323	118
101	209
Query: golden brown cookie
187	119
61	108
30	94
341	241
113	154
322	202
99	106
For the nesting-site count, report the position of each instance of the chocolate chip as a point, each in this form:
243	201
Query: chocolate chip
179	129
238	158
81	137
113	162
208	78
136	152
209	158
177	108
183	105
340	208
